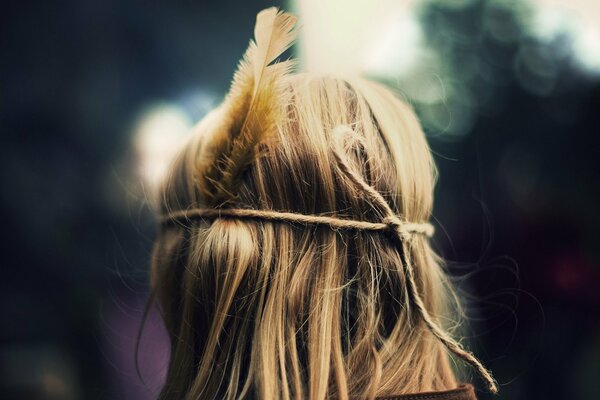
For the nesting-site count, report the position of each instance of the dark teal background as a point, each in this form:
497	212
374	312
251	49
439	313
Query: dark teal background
516	203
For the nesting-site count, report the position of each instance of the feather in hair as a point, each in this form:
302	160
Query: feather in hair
251	109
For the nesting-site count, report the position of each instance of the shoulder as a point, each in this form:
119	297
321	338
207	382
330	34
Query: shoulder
463	392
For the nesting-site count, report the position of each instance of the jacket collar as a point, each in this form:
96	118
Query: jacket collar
463	392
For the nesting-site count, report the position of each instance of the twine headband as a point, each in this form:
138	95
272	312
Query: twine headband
390	223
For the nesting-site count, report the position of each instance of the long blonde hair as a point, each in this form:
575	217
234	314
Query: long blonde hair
268	309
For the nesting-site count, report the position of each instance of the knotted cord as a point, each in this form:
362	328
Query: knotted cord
392	223
391	219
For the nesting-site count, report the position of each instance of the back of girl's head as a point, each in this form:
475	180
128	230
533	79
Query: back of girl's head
260	308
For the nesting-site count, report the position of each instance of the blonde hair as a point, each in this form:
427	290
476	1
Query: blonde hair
263	308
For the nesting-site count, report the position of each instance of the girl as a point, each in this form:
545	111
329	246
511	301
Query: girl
294	258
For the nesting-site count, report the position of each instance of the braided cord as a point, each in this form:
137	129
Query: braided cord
394	223
405	244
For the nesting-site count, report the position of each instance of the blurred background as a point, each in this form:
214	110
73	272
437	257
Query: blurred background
95	95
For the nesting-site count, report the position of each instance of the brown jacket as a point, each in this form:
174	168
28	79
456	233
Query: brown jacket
463	392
